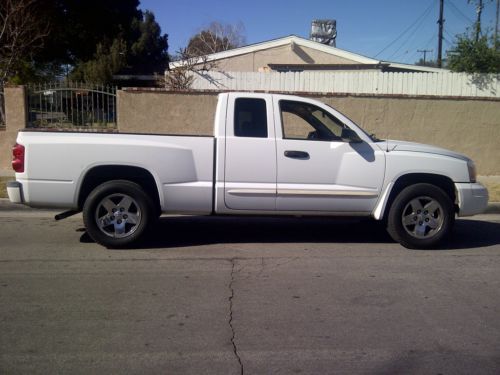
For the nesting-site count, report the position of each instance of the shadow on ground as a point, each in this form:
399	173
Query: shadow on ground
200	230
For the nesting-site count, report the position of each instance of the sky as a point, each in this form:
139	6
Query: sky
391	30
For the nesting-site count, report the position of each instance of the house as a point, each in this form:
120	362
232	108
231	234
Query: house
296	54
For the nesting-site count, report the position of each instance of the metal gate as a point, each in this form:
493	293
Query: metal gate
71	105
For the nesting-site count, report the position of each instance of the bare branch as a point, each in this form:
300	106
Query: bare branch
21	33
182	76
194	59
217	37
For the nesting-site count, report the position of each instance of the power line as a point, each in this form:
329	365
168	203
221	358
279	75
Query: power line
411	59
447	41
430	40
449	34
448	30
455	9
408	28
413	34
425	51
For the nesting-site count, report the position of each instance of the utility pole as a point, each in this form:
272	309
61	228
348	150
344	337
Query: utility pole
424	51
440	36
496	27
479	10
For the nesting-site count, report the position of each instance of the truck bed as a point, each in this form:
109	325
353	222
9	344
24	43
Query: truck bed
57	162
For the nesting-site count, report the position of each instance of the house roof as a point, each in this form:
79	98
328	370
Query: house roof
419	68
293	39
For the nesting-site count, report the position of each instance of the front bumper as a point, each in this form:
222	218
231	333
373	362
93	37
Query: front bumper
15	192
472	198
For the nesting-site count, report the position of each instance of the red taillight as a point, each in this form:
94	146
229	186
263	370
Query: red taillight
18	158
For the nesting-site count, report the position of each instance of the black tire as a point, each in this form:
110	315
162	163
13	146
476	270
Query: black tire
117	213
421	217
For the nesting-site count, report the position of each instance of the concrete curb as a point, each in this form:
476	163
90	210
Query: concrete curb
5	205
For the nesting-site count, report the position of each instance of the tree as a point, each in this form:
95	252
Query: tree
215	38
92	40
181	77
22	33
148	50
106	62
194	59
145	53
78	26
471	56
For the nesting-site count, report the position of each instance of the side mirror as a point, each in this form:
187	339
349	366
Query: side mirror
349	135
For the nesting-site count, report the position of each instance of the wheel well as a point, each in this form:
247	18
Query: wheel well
98	175
443	182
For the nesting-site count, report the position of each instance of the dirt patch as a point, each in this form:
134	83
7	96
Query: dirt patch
3	186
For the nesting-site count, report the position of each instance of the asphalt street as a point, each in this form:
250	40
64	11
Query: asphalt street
247	295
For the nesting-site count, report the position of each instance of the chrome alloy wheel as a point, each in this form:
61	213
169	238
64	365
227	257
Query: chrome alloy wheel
423	217
118	215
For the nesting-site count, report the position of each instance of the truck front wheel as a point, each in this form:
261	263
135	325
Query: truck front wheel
421	217
116	213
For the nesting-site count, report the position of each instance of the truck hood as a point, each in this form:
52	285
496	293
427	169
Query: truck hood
394	146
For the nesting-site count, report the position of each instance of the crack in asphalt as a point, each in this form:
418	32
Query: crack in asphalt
233	333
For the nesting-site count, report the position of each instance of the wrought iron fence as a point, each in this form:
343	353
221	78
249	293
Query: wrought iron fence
2	109
69	105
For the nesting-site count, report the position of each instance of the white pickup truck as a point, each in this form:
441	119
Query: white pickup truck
270	155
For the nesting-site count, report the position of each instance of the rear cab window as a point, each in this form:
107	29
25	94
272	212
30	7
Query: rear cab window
250	118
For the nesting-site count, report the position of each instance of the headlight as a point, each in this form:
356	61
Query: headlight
472	170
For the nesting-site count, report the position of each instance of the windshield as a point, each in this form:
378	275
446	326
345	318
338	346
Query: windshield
372	136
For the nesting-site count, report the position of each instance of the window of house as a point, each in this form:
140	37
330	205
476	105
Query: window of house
250	118
289	70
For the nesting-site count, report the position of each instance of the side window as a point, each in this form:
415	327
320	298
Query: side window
250	118
295	127
306	121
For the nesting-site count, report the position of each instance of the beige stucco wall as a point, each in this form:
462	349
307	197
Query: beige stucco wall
468	126
166	113
15	114
251	62
471	127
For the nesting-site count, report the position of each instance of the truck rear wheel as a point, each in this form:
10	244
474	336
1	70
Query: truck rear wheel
117	213
421	217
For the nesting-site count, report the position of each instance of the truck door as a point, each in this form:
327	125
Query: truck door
250	155
317	168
